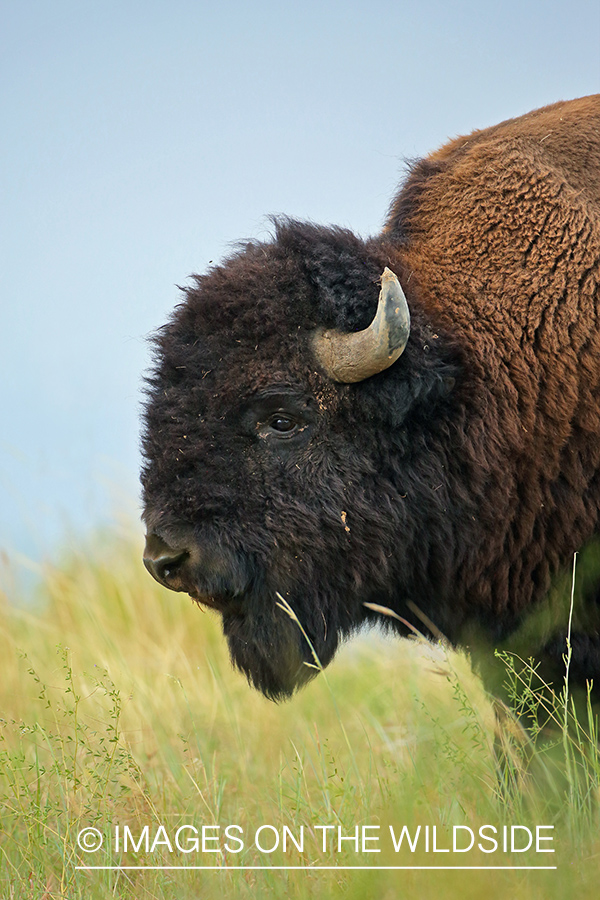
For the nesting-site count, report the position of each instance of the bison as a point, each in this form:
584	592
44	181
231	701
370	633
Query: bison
410	421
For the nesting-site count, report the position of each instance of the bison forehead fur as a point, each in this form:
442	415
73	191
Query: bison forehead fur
449	486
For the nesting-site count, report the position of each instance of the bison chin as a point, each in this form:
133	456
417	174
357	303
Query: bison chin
274	654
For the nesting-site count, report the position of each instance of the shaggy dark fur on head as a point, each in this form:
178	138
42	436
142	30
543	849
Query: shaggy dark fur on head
456	481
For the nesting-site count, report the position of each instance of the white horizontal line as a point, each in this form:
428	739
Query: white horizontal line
313	868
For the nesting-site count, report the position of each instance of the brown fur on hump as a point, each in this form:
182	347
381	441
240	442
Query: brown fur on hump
552	129
500	230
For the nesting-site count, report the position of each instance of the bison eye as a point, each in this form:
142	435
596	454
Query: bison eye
282	424
280	417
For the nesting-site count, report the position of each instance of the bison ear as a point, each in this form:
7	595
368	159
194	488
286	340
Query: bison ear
351	357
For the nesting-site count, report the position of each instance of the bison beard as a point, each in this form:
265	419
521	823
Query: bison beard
264	640
436	453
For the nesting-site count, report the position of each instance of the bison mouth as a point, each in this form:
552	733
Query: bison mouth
222	603
266	640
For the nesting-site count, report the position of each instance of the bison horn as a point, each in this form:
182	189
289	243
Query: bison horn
350	357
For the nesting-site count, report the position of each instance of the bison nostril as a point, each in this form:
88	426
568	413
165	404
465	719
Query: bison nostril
161	560
163	567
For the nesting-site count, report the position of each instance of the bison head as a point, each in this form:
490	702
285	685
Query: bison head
277	460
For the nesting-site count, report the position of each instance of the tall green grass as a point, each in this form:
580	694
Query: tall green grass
120	708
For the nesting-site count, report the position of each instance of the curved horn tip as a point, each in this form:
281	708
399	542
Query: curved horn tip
352	357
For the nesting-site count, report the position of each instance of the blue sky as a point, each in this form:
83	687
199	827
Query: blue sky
138	140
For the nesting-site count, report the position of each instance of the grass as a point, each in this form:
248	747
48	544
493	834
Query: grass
120	710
